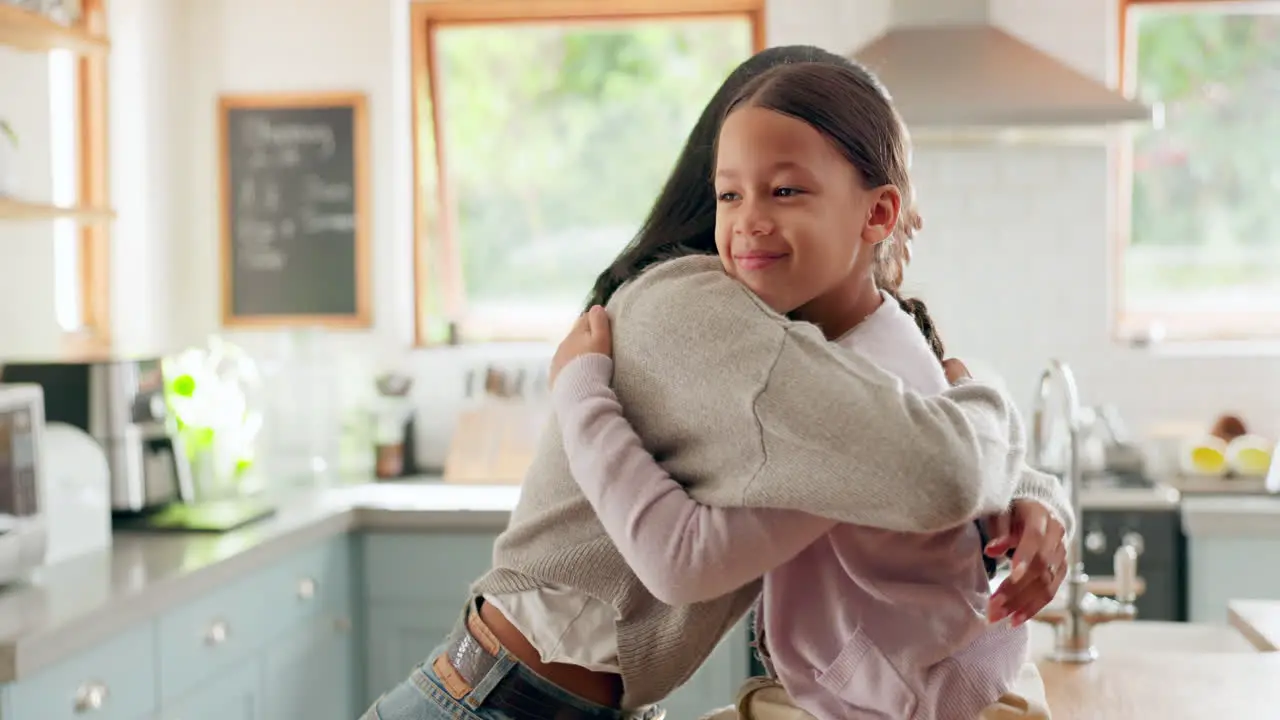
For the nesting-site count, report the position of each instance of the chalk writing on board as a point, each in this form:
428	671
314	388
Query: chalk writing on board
287	145
293	211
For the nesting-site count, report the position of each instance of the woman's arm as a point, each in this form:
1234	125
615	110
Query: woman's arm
720	385
921	464
683	551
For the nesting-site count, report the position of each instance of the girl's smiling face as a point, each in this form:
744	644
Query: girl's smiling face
794	220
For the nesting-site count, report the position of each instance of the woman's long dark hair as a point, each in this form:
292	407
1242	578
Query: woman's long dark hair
683	218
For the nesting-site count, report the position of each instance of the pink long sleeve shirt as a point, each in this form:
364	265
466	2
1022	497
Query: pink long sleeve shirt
860	622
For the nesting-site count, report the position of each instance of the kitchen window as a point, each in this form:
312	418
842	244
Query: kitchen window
1200	227
69	291
543	130
79	173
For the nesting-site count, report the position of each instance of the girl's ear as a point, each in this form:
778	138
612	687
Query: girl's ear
882	216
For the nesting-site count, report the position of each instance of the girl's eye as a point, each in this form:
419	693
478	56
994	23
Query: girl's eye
787	192
727	196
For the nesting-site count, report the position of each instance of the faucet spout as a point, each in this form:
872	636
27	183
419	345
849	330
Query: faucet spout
1074	621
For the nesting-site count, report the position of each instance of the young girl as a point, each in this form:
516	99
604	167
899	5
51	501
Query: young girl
860	622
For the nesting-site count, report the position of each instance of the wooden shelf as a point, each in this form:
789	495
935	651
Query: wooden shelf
32	32
14	209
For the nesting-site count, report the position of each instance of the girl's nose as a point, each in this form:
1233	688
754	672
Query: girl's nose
755	222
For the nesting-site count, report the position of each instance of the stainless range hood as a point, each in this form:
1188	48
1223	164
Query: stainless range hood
955	76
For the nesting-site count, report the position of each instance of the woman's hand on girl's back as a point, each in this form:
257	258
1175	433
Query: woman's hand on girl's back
590	334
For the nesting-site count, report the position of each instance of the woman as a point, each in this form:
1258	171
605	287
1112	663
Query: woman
561	627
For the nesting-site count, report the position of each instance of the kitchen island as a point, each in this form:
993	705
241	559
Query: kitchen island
1173	686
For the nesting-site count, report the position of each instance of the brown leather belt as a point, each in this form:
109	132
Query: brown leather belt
473	651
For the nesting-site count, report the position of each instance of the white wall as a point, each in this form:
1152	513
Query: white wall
1014	262
150	234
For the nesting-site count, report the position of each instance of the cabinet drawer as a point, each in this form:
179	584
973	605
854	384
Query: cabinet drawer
117	677
316	580
213	633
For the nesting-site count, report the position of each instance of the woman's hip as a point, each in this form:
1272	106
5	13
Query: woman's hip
473	676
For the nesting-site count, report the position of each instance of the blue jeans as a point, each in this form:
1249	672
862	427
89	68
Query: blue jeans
423	696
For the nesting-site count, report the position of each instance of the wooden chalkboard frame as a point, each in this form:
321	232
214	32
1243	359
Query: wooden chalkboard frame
358	102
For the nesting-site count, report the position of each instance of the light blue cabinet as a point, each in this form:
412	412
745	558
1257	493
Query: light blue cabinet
1222	569
716	683
233	695
115	681
398	637
311	672
275	643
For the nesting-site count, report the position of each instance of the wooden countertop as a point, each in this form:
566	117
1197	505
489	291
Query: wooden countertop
1183	686
1137	684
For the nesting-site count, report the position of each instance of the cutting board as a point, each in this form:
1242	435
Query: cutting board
494	442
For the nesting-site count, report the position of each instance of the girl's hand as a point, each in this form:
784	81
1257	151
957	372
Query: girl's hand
590	334
1039	559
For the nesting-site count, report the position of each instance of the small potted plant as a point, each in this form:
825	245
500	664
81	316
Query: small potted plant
8	159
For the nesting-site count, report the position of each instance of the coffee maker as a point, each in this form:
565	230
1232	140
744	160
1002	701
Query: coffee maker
121	403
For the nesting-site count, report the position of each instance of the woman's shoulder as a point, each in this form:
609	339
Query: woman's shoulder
675	274
689	285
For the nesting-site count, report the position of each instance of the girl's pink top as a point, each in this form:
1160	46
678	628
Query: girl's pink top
860	622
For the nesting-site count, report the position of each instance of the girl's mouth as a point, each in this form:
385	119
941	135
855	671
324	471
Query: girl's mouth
757	260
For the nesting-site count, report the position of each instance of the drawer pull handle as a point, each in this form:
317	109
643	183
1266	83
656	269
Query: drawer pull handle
306	589
90	696
217	634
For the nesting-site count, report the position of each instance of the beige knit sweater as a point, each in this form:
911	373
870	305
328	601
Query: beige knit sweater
750	409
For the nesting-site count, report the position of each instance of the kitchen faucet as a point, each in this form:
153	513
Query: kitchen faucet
1073	622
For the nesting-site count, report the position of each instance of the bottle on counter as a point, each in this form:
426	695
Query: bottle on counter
393	408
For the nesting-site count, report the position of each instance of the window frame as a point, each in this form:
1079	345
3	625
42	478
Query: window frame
427	17
94	337
1132	326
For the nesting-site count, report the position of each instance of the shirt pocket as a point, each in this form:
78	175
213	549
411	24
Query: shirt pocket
864	678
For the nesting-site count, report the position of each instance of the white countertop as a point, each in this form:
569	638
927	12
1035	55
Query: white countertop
1251	516
1159	497
69	607
1189	485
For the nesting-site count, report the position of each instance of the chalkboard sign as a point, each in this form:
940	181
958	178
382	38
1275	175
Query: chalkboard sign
295	239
